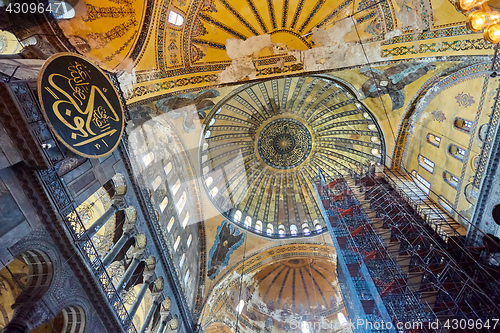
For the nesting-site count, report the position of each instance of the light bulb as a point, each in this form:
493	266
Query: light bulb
466	5
476	21
492	33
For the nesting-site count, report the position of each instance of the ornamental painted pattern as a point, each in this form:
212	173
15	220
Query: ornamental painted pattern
465	99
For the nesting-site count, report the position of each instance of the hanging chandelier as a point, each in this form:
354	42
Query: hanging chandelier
481	17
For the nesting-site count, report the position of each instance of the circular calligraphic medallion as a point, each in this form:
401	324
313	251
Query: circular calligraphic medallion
284	143
80	105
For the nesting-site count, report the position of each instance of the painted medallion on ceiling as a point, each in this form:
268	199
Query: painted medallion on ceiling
263	145
107	31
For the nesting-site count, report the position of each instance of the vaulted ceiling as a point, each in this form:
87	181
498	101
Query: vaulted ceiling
223	41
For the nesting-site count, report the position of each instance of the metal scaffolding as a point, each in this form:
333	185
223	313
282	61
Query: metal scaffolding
419	263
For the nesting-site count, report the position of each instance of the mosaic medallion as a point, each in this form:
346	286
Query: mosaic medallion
284	143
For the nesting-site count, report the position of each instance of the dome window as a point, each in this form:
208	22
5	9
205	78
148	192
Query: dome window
248	222
293	230
258	226
270	229
237	216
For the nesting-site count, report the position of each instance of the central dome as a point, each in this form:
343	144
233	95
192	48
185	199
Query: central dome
284	143
265	142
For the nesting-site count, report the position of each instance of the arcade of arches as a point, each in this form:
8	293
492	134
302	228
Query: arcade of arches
210	215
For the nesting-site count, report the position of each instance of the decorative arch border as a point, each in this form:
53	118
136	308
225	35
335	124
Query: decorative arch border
447	78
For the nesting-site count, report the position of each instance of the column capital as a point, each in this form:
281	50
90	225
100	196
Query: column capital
27	316
119	203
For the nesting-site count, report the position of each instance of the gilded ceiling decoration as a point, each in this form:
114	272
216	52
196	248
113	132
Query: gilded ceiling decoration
263	145
109	31
280	286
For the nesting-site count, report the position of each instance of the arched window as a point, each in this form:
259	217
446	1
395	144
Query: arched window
176	187
186	220
214	191
156	183
433	139
421	182
305	229
457	152
237	216
204	158
258	226
317	226
426	163
177	242
293	230
190	240
207	134
168	168
212	122
376	152
183	258
175	18
450	179
164	204
170	224
209	181
148	158
205	146
205	170
445	204
270	229
462	124
182	202
281	230
186	277
248	221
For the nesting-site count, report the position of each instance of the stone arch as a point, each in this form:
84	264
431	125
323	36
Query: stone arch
423	94
33	302
74	319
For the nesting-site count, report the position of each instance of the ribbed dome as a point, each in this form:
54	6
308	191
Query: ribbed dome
264	144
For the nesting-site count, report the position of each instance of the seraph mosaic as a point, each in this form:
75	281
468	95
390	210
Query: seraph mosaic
178	106
393	80
227	240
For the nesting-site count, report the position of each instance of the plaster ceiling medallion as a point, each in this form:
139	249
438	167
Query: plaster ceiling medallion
263	145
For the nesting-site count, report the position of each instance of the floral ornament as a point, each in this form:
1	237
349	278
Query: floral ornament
438	115
464	99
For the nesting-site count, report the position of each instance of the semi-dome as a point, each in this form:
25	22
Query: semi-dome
264	143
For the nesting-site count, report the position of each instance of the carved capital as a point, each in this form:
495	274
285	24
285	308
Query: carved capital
27	316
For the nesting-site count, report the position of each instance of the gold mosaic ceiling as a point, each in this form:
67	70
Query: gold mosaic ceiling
279	285
263	145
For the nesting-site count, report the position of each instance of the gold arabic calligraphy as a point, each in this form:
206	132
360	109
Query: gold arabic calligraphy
70	109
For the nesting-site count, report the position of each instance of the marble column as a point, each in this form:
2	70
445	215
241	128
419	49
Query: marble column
117	247
101	221
127	233
151	312
26	317
136	260
163	322
148	279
